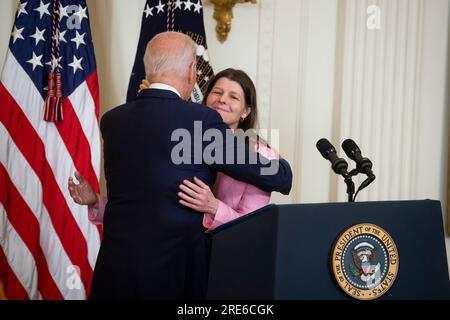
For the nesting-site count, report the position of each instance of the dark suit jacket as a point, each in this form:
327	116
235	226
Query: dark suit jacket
153	247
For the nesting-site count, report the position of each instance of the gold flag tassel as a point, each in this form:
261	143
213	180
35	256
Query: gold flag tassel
50	100
53	111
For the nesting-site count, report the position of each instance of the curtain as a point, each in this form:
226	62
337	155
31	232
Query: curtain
448	192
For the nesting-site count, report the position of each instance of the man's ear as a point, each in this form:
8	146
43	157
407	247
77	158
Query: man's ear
193	72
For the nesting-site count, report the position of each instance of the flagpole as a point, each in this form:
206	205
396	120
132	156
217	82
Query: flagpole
2	291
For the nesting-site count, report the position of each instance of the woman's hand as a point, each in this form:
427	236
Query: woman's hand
82	193
144	85
198	196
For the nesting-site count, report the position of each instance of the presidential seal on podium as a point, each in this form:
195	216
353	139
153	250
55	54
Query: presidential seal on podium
365	261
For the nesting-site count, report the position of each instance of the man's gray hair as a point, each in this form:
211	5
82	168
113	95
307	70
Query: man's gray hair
174	57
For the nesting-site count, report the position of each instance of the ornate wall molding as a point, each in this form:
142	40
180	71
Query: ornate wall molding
265	58
303	34
223	13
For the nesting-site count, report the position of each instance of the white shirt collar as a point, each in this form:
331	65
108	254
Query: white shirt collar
163	86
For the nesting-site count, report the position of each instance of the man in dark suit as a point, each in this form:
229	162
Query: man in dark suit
153	247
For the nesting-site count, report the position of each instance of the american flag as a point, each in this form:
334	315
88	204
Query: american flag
48	248
184	16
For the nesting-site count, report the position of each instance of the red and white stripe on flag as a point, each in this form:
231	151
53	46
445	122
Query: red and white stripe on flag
48	247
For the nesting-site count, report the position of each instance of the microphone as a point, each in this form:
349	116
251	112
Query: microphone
363	165
327	150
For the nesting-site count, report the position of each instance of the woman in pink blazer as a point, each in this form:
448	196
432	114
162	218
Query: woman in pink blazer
231	93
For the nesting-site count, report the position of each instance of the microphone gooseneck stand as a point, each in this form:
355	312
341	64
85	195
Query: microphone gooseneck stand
350	186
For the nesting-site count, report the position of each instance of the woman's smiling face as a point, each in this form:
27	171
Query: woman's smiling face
227	98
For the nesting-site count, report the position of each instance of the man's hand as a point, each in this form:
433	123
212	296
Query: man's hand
198	196
82	193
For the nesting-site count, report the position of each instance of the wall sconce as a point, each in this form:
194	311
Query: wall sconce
223	13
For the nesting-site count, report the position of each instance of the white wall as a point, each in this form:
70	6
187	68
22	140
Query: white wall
320	73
